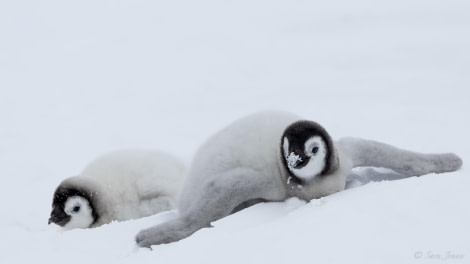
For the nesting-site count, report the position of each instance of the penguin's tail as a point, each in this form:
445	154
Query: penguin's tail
369	153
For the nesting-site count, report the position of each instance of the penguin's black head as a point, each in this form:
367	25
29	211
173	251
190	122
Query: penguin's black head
307	151
73	207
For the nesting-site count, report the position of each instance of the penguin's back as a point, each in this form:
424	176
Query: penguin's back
251	142
135	183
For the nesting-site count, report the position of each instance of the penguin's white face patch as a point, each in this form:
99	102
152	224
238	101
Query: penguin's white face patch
315	149
285	146
80	212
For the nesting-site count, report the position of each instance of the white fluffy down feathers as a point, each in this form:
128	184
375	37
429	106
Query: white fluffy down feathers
126	184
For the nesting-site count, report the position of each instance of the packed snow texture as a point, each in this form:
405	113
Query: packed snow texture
293	160
81	78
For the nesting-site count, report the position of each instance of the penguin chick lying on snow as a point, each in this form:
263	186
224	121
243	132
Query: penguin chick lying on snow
272	156
119	186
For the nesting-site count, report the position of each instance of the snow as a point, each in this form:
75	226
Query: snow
293	159
79	79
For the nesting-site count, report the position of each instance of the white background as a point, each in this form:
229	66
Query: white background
81	78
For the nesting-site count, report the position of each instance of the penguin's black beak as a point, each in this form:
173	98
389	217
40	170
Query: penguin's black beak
54	219
58	216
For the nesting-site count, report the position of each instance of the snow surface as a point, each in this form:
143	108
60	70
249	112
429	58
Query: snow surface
81	78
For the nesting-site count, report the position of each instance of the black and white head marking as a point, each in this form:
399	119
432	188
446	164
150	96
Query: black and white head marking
73	207
307	151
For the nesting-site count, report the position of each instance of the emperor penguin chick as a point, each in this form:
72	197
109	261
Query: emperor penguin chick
118	186
271	156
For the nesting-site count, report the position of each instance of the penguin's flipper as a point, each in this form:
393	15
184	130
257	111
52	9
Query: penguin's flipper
220	197
369	153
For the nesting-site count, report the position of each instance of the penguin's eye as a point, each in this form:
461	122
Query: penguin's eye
76	209
315	150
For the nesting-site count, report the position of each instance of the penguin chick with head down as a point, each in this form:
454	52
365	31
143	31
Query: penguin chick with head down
271	156
121	185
